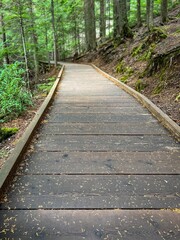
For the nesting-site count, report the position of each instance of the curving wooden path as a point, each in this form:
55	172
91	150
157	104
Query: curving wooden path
102	168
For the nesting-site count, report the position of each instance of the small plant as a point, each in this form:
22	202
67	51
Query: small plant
7	132
45	87
140	85
178	97
14	96
120	68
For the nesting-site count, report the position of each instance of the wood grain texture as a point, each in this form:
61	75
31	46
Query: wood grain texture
79	225
100	167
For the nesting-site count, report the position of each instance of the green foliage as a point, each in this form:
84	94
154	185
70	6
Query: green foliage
14	96
140	85
46	87
124	78
178	97
125	70
162	81
148	53
121	68
145	50
7	132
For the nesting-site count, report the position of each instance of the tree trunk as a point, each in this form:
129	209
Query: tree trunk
121	28
128	3
90	26
54	33
102	19
139	19
23	41
149	13
4	43
164	11
35	41
116	14
109	16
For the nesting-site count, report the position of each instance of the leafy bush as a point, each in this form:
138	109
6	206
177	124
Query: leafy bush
14	96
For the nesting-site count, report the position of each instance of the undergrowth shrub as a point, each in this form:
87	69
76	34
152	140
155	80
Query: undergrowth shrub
14	95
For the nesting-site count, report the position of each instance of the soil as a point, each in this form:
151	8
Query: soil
7	146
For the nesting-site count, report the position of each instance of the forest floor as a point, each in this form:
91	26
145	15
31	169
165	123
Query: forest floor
24	119
149	63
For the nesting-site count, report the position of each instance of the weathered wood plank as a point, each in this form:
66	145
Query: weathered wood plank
89	192
67	108
90	118
103	128
101	163
89	92
79	225
95	99
105	143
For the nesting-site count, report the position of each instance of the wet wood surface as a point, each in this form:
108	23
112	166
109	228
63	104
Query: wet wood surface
100	167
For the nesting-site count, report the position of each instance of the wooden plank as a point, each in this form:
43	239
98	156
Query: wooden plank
11	163
157	112
79	225
98	104
106	143
91	92
94	192
96	118
103	128
90	89
94	99
101	163
90	109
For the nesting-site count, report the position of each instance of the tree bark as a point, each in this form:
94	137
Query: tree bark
4	39
128	3
35	41
102	19
54	33
164	11
149	13
121	28
21	23
139	19
90	26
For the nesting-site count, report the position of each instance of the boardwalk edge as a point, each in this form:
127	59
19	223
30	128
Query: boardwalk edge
10	165
157	112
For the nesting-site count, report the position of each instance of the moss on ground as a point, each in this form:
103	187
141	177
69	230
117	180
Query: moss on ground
7	132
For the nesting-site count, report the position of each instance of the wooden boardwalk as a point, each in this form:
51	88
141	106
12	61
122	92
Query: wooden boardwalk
102	168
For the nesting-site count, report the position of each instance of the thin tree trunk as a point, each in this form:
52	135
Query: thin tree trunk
149	13
35	41
4	40
139	19
116	14
23	42
121	28
164	11
109	13
102	19
54	33
128	7
90	26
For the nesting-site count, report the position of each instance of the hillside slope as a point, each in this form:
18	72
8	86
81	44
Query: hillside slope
150	63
